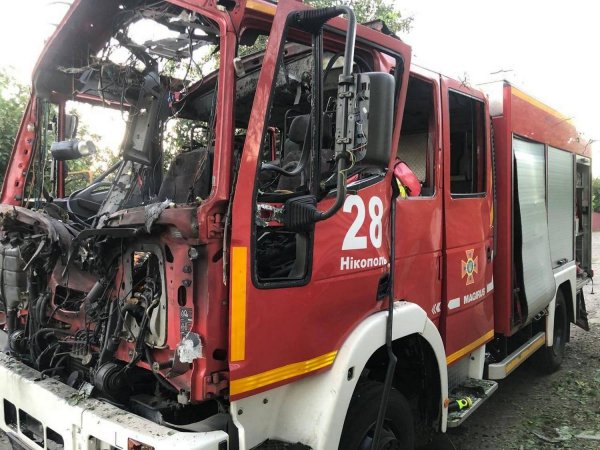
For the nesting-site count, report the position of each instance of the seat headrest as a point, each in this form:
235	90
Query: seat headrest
299	125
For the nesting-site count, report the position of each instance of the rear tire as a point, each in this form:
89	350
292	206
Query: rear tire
551	357
398	428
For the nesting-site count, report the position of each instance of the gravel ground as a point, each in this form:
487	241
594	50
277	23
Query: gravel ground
534	411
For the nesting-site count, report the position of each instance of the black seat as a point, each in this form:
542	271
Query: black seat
298	132
189	167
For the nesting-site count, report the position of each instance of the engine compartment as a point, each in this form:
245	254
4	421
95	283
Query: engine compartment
94	313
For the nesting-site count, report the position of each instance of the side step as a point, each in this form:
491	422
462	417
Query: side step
500	370
478	391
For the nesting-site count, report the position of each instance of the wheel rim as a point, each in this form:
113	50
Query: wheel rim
389	438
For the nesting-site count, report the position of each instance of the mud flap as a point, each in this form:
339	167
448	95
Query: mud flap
582	317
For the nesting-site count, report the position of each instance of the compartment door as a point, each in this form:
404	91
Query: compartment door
561	207
531	237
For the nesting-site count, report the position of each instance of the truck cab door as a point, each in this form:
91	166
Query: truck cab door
419	217
297	292
467	320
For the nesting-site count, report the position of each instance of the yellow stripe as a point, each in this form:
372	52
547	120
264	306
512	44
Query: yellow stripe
280	374
529	99
239	261
525	354
261	7
469	348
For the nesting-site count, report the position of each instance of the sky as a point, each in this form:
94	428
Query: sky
550	49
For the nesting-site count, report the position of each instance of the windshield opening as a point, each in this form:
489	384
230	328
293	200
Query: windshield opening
142	134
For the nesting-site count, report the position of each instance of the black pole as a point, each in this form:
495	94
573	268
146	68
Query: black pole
392	360
316	117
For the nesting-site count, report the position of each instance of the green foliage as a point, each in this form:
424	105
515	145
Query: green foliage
13	100
178	137
368	10
596	194
365	10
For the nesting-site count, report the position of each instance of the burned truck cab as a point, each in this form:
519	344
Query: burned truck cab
114	287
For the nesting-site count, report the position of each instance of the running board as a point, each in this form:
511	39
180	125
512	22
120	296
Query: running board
500	370
476	392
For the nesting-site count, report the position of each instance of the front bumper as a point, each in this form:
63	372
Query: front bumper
48	411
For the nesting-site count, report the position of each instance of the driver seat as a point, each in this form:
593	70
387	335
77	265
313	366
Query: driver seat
293	144
188	167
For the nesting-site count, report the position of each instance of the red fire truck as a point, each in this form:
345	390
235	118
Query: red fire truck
345	251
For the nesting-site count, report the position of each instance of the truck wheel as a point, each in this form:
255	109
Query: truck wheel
552	357
359	426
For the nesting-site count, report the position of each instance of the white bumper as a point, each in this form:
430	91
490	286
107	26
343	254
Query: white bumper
83	424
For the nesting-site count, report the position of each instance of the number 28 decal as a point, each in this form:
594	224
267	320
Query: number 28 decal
353	241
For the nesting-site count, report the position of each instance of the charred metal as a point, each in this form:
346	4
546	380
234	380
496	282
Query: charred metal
95	284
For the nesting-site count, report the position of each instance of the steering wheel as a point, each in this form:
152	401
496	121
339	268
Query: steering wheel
85	201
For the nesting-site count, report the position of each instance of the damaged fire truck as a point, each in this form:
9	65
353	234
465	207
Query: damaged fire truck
345	252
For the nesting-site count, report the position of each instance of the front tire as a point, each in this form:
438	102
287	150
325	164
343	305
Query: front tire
359	426
551	357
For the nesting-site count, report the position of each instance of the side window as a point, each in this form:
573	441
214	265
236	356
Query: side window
467	145
417	141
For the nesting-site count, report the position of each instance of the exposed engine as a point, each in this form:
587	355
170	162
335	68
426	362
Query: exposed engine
92	312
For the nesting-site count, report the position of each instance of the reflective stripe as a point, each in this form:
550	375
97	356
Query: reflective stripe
469	348
454	303
541	340
280	374
490	286
529	99
261	7
239	262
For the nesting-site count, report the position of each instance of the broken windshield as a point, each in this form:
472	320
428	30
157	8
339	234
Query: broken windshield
150	55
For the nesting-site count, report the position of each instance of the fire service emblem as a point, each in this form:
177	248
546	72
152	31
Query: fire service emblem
469	267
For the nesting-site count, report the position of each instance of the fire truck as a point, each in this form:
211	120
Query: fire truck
344	251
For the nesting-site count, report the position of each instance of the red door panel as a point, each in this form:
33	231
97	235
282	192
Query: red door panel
419	220
467	306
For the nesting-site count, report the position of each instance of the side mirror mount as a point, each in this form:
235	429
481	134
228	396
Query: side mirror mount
370	125
72	149
314	21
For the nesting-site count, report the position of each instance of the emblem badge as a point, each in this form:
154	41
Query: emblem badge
469	267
